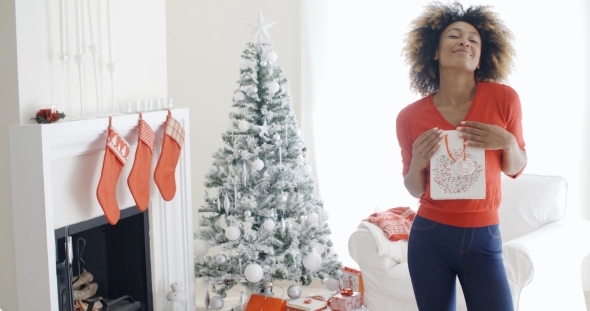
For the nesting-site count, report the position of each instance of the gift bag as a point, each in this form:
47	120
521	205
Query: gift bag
265	303
352	278
457	171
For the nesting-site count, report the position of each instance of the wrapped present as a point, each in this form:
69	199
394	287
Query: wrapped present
352	278
347	300
265	303
307	304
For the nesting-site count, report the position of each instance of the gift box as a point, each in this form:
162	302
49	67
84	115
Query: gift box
353	278
346	302
265	303
306	304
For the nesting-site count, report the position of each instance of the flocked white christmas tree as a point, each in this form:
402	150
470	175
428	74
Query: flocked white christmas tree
260	204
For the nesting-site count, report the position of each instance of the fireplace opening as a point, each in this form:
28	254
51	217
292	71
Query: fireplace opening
109	263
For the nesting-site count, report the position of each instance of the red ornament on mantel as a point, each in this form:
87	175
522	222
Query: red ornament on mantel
48	114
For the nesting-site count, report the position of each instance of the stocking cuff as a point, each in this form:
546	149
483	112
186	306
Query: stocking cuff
146	134
118	145
175	130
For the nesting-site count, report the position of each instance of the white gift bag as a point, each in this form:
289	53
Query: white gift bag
457	171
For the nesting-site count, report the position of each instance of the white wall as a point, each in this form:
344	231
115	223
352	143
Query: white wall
205	43
9	104
30	76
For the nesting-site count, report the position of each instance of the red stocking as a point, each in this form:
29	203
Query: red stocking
139	177
115	157
166	167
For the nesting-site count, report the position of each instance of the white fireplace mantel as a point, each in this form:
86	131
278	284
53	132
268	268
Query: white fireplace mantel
43	200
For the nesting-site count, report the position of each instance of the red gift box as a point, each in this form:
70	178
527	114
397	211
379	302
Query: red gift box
346	303
352	278
265	303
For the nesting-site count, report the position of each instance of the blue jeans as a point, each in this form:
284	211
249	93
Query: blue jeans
438	254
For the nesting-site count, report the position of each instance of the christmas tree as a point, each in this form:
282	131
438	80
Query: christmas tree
260	204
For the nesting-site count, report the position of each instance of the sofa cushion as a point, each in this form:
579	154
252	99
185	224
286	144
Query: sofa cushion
530	202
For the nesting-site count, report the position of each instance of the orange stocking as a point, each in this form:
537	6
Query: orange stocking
115	157
166	167
139	177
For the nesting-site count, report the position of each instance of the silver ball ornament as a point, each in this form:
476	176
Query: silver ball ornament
294	291
247	213
243	125
276	137
330	243
216	303
221	259
271	57
213	170
263	63
282	198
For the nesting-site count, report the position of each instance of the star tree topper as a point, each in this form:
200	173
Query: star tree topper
260	29
263	129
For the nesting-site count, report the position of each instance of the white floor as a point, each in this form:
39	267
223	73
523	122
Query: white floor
315	288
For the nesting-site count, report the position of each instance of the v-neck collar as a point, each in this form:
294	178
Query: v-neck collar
474	101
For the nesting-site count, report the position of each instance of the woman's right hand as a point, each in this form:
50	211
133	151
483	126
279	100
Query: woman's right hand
424	148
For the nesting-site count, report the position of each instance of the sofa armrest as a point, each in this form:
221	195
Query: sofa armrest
559	243
546	263
363	249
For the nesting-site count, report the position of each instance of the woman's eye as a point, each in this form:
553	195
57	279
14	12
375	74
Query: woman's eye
453	36
474	41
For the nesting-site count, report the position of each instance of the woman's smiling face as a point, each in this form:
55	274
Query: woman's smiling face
459	47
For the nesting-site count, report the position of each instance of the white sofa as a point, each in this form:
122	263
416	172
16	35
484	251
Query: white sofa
543	251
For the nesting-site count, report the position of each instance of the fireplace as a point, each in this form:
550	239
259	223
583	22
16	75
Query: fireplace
117	257
55	170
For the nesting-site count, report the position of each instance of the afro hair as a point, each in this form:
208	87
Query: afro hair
421	43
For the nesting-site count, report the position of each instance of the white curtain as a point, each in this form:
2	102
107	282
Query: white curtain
355	82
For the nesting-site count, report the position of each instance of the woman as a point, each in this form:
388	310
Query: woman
457	59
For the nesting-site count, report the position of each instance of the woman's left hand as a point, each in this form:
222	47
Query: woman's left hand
487	136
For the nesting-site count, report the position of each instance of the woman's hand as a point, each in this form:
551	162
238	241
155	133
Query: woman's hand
487	136
424	148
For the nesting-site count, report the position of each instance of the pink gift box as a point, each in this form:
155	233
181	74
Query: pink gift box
346	303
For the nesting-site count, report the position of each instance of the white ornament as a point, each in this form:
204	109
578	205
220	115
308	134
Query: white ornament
263	129
201	248
276	137
260	29
263	63
298	131
216	303
220	259
324	215
243	125
244	64
306	170
312	218
332	284
269	115
282	198
258	164
312	261
226	204
213	170
254	272
273	87
247	213
271	57
294	291
239	96
232	233
269	224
